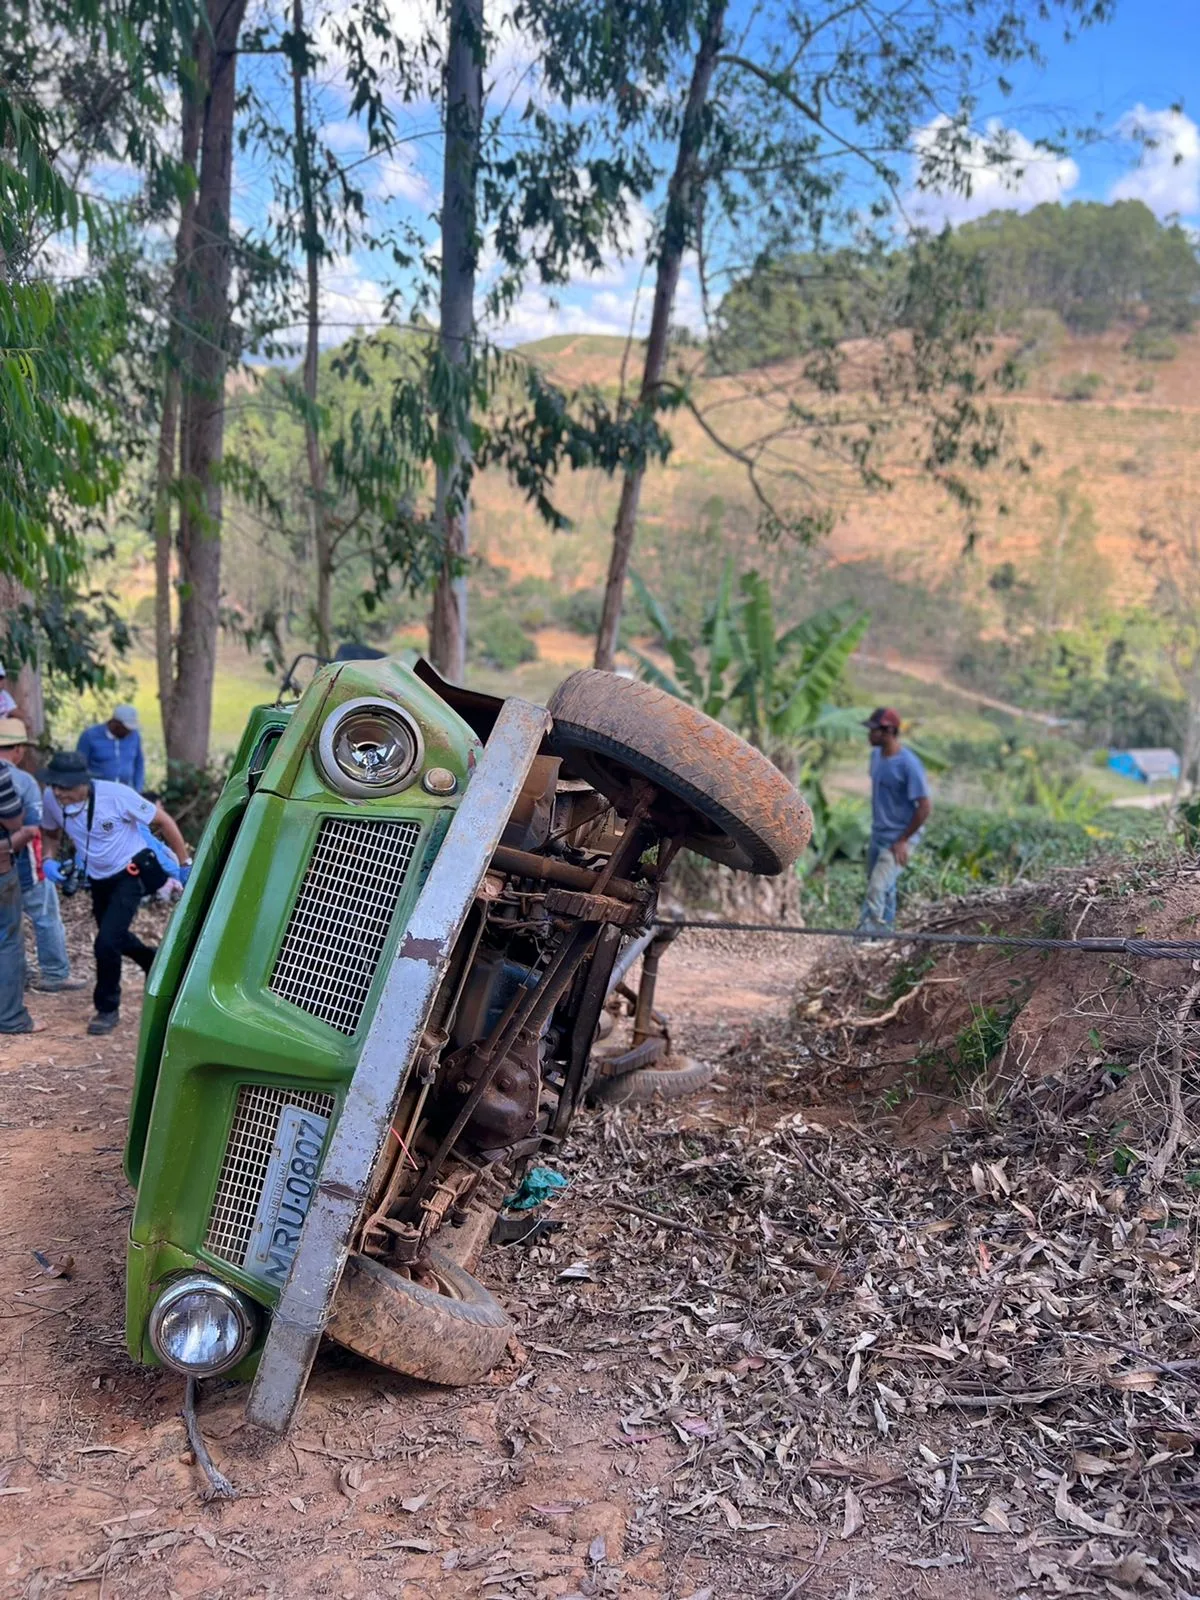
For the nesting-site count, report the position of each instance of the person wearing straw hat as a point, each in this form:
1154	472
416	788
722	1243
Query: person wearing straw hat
37	892
102	820
113	749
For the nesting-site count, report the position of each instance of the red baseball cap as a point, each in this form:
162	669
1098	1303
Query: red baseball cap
883	717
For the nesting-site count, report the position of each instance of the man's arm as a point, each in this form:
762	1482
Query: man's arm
139	767
920	817
169	828
51	840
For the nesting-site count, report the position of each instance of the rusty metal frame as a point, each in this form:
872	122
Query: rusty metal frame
387	1054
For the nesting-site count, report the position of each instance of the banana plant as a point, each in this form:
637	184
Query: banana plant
779	691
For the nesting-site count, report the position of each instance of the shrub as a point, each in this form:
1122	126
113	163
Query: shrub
190	793
498	640
1152	344
580	610
1080	386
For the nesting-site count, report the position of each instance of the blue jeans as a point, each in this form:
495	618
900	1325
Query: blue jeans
41	907
13	1016
883	874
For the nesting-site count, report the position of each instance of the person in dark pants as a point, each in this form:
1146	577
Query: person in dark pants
102	821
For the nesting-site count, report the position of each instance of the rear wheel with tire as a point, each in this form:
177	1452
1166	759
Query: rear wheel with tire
721	794
445	1328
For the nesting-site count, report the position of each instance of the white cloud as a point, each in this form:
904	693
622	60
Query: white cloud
344	136
397	177
1005	171
350	298
608	303
1167	177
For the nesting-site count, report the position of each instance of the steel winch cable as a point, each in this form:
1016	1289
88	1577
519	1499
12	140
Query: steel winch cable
1142	949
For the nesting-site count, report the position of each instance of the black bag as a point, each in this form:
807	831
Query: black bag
149	869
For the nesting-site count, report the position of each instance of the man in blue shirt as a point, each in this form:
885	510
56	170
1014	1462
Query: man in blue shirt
900	808
114	749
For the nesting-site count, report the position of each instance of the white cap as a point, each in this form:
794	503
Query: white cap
126	715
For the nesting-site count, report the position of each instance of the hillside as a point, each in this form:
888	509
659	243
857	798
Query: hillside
1131	451
1122	461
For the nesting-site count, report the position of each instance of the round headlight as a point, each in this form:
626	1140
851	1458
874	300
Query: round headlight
369	748
200	1326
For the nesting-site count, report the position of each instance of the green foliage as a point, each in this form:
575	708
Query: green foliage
1093	264
776	689
976	1044
1111	679
78	82
966	848
1079	386
189	794
1086	265
498	640
779	690
1152	344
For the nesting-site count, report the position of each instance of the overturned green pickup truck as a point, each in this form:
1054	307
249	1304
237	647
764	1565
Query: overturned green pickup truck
375	1004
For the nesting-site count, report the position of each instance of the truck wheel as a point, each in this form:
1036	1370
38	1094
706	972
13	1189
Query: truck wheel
674	1078
737	808
454	1333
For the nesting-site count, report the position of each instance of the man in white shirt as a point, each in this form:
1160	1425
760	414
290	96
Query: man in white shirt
102	819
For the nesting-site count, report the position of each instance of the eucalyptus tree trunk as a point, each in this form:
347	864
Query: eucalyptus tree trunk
202	397
460	253
684	193
25	685
165	468
312	246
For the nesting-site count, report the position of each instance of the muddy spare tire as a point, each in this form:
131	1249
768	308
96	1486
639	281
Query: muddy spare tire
737	808
447	1329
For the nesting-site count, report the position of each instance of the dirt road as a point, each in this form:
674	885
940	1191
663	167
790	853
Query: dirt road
528	1487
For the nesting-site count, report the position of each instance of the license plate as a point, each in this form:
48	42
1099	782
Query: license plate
287	1194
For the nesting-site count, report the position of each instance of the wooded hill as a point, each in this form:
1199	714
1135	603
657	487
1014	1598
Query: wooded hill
1105	421
1092	265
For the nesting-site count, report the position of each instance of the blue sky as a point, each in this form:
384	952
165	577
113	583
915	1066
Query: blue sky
1117	80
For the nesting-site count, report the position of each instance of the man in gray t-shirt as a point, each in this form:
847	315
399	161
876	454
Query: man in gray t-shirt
900	808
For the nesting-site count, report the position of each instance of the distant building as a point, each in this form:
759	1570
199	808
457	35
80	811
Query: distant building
1146	766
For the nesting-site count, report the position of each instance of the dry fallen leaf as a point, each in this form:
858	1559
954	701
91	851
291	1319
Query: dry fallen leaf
1087	1465
1140	1378
1067	1511
853	1519
995	1517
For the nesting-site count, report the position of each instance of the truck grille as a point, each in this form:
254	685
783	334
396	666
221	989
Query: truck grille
247	1159
341	918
